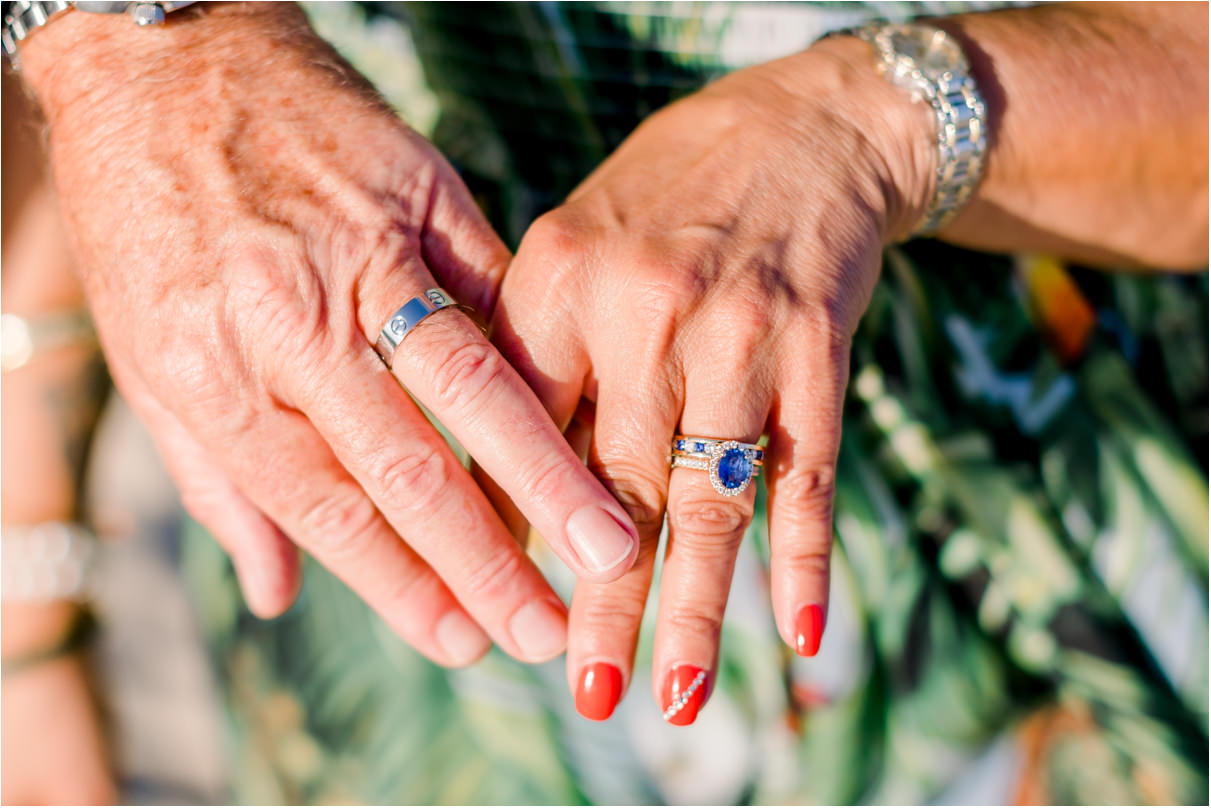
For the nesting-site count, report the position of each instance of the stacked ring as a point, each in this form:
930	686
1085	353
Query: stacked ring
731	465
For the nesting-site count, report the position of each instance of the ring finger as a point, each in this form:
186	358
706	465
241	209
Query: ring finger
705	530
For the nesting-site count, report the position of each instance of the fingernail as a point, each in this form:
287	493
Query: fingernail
684	693
809	625
600	541
598	692
461	640
540	631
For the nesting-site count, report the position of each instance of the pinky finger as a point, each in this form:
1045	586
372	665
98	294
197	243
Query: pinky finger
266	561
801	472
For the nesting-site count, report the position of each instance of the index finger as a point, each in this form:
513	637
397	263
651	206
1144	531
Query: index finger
450	367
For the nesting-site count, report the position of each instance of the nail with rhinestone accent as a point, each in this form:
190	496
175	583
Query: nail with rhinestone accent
598	692
684	694
809	625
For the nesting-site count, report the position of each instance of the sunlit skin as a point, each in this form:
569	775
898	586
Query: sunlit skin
707	278
51	739
243	235
242	232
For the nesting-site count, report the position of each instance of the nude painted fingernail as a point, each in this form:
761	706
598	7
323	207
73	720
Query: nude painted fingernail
598	538
540	631
684	694
809	625
462	640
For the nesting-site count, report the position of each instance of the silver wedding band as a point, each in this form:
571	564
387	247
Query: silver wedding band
406	318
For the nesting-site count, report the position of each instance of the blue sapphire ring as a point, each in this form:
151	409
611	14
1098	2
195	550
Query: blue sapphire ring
731	465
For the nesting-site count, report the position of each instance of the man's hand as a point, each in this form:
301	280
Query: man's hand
247	214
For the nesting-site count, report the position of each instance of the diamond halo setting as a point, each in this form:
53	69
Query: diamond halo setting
730	468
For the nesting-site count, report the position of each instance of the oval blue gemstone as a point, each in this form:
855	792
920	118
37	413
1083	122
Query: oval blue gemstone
734	468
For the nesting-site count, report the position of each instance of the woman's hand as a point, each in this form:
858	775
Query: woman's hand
247	214
707	280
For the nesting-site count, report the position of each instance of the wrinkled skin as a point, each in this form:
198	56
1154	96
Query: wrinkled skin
243	235
706	280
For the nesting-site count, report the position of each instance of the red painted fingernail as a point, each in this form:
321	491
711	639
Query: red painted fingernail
684	693
809	625
599	690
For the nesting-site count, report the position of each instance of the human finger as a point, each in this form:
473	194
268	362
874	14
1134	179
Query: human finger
419	485
537	336
329	514
633	421
708	512
804	442
463	379
266	561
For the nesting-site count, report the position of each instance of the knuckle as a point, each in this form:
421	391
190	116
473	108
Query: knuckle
806	494
311	347
208	395
465	374
333	524
413	594
686	622
546	482
193	373
640	496
379	242
556	234
614	617
668	286
550	257
310	339
745	332
804	562
414	478
829	331
710	518
274	302
495	574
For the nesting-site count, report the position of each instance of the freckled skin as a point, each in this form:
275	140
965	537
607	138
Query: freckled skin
246	214
236	229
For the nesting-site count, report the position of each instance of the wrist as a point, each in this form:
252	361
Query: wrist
80	58
69	638
29	628
899	131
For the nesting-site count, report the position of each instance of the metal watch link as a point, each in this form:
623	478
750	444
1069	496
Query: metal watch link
930	64
23	17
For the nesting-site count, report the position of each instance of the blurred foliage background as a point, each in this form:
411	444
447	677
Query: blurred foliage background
1020	577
